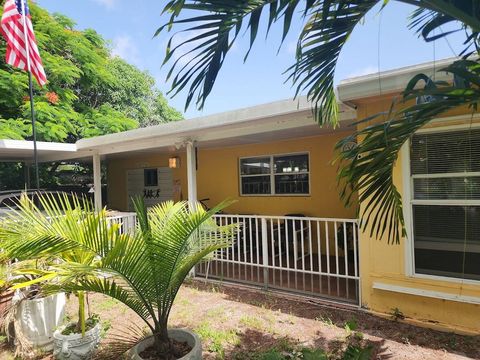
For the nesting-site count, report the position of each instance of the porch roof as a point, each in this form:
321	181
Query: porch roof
273	121
21	150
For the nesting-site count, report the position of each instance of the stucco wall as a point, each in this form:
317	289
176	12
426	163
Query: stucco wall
218	178
387	264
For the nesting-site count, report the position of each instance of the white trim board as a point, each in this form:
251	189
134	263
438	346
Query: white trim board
427	293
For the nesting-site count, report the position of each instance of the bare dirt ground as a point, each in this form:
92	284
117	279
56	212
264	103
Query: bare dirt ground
241	323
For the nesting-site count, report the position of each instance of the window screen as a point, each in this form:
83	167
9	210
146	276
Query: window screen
445	170
272	175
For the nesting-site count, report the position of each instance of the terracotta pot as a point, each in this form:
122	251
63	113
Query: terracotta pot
177	334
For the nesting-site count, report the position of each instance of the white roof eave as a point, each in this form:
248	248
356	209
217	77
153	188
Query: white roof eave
219	120
391	81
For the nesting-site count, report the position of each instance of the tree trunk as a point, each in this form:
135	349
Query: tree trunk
162	344
81	313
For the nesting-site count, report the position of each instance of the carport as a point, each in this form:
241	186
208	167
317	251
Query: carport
21	151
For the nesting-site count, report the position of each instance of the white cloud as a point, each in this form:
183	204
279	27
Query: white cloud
125	47
109	4
370	69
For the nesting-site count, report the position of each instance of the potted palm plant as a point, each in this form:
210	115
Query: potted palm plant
33	314
143	269
39	274
38	318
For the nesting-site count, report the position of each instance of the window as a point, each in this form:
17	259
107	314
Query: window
150	177
445	178
275	175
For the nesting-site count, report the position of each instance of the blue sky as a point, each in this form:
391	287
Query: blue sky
382	41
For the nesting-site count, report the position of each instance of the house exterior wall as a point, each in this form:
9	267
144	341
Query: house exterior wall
218	179
390	264
117	168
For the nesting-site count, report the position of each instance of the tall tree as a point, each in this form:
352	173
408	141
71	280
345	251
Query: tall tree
89	92
367	169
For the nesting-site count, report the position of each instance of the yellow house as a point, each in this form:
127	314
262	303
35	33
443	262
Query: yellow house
296	235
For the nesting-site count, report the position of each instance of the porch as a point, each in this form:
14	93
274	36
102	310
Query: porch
295	234
303	255
315	257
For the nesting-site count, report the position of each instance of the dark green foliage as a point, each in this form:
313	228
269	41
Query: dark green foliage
89	93
358	353
327	25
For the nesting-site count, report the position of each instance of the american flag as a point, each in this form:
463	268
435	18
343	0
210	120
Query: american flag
20	53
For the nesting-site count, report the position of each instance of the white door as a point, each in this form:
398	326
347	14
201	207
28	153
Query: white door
155	185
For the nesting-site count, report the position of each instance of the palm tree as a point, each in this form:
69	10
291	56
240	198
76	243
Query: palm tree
327	27
143	269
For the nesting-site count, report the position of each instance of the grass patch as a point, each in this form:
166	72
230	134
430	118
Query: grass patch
358	353
217	313
183	302
288	351
215	340
252	322
325	320
107	304
284	350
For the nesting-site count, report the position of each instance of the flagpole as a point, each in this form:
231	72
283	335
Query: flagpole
30	84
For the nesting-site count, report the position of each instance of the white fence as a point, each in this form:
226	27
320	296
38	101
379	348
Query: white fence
127	221
314	256
305	255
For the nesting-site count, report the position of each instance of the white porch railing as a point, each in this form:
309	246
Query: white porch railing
314	256
306	255
127	221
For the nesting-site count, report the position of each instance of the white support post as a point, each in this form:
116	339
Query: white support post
97	181
191	172
191	178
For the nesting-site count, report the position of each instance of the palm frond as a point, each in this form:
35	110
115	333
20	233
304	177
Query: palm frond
216	24
327	30
367	169
143	269
455	16
211	33
59	227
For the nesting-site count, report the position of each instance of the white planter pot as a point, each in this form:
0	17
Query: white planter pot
38	319
178	334
74	346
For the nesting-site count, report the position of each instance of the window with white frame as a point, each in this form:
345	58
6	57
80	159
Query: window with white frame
445	185
275	175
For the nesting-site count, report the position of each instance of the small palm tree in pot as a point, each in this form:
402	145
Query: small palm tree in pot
40	271
143	269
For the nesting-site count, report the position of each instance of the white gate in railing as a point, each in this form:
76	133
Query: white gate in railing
311	256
